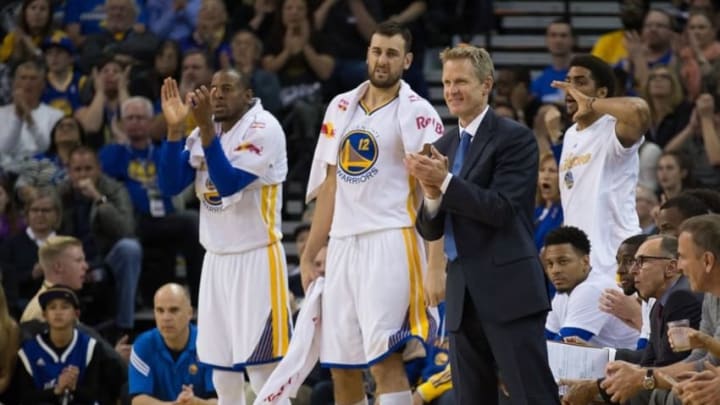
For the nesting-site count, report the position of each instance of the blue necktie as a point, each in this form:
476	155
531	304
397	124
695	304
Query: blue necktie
450	247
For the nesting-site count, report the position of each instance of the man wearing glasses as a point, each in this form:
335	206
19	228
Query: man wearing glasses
656	275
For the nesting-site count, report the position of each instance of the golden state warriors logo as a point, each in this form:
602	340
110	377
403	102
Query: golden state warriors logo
63	105
358	154
211	197
143	172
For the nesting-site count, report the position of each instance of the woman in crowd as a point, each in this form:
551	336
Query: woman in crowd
548	210
50	168
703	49
669	111
296	54
65	136
148	82
674	174
34	24
99	118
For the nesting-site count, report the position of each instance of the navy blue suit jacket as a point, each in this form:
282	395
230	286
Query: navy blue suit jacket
490	204
682	303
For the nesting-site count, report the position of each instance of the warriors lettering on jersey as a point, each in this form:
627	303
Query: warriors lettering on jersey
573	161
357	156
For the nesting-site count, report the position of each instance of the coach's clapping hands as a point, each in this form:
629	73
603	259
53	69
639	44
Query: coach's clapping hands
430	170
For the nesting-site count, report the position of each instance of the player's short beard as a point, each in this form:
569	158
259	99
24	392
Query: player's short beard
228	115
563	290
384	84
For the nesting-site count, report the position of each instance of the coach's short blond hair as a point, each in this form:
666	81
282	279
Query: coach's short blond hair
479	58
54	247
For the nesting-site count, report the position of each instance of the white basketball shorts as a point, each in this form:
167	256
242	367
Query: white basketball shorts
243	308
373	301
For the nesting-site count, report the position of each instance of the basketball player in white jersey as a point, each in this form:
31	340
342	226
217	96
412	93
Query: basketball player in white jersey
238	163
599	165
373	309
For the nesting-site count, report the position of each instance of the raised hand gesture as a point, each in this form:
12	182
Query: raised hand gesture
584	103
97	81
202	111
202	106
705	105
173	107
633	43
553	123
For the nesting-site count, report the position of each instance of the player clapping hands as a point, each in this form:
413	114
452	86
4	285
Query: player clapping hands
174	109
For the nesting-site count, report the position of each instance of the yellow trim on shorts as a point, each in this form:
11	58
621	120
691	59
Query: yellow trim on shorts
279	299
412	203
268	204
278	293
417	315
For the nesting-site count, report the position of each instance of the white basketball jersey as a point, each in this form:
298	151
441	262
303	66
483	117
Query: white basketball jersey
374	190
598	176
579	310
251	217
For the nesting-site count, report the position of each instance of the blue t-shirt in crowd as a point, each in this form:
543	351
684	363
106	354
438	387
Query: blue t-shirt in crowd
138	170
90	14
546	219
154	372
541	88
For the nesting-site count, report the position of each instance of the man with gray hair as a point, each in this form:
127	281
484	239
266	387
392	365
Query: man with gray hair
656	276
698	254
163	231
27	121
478	185
119	37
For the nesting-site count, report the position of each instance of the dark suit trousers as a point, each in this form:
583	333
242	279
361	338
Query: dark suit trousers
516	350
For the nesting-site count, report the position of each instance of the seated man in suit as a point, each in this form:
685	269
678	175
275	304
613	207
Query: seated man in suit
627	305
698	255
575	315
656	276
